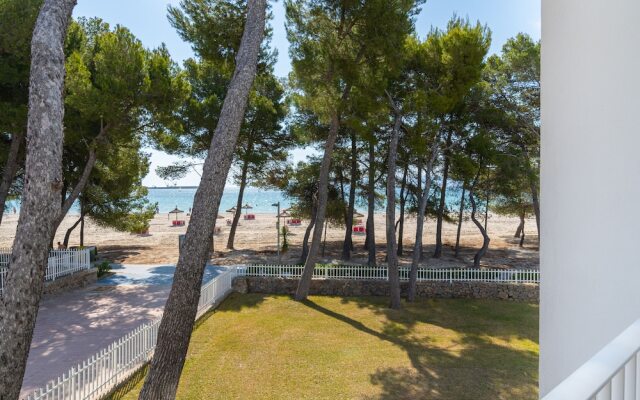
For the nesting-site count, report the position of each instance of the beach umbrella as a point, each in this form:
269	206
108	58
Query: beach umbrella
357	214
232	210
176	211
247	207
284	214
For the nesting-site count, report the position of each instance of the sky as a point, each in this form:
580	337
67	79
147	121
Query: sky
147	19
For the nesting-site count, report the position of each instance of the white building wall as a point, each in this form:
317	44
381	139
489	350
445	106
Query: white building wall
590	248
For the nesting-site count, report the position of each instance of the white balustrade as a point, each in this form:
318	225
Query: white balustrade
613	373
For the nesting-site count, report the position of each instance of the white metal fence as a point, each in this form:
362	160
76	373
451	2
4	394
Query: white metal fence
612	374
101	373
381	273
5	256
60	263
3	278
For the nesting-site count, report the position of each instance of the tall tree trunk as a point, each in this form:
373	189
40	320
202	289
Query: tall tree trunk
485	237
10	168
82	231
307	233
371	207
324	241
238	213
392	258
340	179
534	186
41	194
460	213
422	207
522	235
536	203
84	177
67	235
437	253
340	182
323	182
348	234
177	322
520	228
419	196
403	202
486	212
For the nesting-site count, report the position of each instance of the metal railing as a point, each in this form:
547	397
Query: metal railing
613	373
60	263
101	373
381	273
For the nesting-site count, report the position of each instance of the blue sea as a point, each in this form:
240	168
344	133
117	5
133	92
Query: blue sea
261	200
170	198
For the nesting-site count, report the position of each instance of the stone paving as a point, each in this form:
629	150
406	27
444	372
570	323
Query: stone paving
73	326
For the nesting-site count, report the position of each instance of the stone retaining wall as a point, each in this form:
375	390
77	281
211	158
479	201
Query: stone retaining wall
73	281
527	292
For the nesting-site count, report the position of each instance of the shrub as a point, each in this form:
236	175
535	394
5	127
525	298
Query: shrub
285	242
103	268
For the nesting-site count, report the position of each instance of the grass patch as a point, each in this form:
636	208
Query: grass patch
271	347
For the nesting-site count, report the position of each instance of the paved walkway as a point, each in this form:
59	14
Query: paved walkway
73	326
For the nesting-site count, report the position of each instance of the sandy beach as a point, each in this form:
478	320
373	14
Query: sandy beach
256	242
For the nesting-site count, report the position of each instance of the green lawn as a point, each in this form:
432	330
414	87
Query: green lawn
271	347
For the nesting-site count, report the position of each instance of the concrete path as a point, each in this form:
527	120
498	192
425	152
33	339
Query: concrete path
73	326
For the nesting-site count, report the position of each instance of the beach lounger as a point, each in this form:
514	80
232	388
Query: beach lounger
360	230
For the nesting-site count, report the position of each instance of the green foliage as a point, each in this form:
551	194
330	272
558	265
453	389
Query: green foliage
103	268
113	82
451	62
300	185
214	28
115	196
336	45
17	19
513	100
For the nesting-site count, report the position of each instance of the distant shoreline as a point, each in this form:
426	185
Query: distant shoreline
172	187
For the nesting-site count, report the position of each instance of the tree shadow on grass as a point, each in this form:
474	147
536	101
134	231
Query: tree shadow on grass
239	301
472	316
478	365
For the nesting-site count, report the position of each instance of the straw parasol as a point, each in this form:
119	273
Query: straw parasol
357	214
232	210
284	214
247	207
176	211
